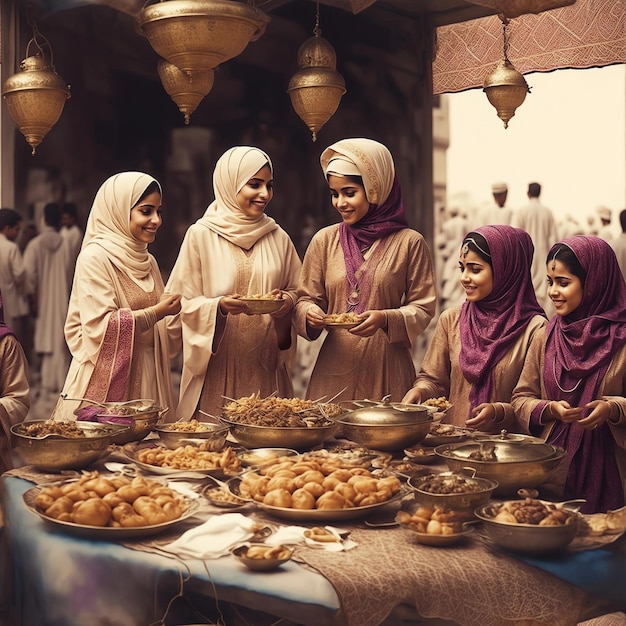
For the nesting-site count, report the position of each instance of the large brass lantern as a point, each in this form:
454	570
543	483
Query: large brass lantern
198	35
316	88
35	95
506	88
186	90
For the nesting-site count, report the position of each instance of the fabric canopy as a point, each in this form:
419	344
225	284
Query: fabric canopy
589	33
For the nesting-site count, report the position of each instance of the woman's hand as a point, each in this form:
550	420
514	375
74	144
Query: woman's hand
287	306
599	412
412	396
232	304
315	318
371	321
486	415
169	304
562	411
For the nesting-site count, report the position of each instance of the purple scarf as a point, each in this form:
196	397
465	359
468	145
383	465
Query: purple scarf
491	326
4	329
379	222
579	349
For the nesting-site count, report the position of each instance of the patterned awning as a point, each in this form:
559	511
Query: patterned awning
589	33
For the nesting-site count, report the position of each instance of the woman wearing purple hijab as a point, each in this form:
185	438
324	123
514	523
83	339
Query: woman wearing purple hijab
478	349
14	390
572	388
372	265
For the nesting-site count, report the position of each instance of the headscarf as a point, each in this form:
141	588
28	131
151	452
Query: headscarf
373	162
492	325
579	348
109	225
224	216
4	329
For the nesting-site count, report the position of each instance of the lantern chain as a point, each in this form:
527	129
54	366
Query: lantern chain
38	39
505	39
317	31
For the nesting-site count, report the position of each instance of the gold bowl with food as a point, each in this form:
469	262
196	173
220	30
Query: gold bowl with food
54	445
176	434
454	492
262	304
513	465
529	526
262	557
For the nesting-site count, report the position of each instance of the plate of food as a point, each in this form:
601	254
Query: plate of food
260	304
421	454
440	404
342	320
194	457
440	434
433	526
121	513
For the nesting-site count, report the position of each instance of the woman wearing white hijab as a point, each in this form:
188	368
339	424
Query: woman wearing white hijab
373	265
235	250
119	345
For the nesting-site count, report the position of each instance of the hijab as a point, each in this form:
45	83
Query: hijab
108	225
579	348
4	329
491	326
373	162
224	216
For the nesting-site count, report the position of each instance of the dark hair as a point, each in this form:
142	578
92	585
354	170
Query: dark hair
352	177
9	217
563	253
534	189
70	209
151	188
52	214
478	244
622	220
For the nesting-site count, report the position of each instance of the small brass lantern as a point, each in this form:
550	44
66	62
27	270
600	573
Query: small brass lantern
35	95
198	35
186	90
316	88
505	87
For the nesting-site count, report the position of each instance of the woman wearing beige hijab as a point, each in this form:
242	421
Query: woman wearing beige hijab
115	326
373	265
235	250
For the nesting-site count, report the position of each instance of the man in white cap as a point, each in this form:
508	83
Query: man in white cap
496	212
606	230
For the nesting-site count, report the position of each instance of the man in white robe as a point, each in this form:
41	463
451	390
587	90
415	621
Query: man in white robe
619	244
48	285
538	221
497	212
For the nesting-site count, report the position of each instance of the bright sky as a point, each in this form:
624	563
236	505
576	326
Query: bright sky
569	135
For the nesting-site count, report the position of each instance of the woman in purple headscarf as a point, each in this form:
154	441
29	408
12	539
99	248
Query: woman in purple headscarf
572	388
371	265
14	390
478	349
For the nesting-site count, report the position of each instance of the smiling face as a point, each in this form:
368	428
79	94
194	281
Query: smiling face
145	218
256	194
476	276
348	197
564	288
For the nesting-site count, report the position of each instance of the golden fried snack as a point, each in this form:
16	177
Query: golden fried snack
92	512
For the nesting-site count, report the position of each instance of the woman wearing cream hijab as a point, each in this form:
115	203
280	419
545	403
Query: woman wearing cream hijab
235	250
371	265
119	346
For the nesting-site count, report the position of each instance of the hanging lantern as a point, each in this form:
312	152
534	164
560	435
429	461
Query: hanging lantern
316	88
505	87
186	90
198	35
35	95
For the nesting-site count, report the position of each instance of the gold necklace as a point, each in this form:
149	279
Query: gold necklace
557	380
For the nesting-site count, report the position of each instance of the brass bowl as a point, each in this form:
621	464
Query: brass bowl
526	538
385	427
463	504
298	438
213	435
259	306
259	565
518	464
54	453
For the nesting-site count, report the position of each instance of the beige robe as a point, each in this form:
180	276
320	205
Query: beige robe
99	290
14	394
531	391
441	373
403	286
233	355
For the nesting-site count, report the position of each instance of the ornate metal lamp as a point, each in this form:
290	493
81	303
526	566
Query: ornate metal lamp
187	90
316	88
35	95
505	87
198	35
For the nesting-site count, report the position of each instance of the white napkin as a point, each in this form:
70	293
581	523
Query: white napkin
295	535
214	538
